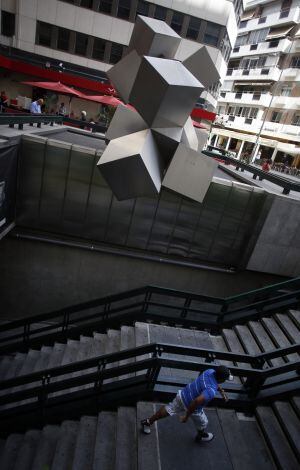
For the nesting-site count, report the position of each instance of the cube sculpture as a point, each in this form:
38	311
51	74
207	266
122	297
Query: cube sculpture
157	145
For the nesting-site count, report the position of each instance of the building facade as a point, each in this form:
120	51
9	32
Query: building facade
84	38
259	102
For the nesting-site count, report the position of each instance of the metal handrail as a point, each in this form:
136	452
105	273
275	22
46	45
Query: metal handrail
287	185
139	305
21	119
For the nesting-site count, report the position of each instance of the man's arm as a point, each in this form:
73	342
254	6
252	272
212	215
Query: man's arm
223	394
199	401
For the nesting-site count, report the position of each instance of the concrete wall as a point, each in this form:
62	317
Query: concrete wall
278	246
39	277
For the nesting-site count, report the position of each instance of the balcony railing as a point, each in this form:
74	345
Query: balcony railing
271	72
246	97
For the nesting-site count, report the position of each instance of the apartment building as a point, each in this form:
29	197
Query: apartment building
259	102
82	39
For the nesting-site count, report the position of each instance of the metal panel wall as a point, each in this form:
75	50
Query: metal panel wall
61	191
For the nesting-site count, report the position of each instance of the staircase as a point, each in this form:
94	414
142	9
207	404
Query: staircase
113	441
273	431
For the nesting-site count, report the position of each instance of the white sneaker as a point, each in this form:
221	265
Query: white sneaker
146	426
204	437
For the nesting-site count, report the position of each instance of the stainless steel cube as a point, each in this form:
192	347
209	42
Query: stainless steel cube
125	121
189	173
202	65
189	136
154	38
167	141
131	166
123	74
164	92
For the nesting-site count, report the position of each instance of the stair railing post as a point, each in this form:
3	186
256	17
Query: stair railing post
253	385
99	379
186	306
66	321
146	300
153	371
26	333
43	394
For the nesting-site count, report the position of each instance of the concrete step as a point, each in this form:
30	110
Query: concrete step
234	345
5	365
289	328
57	355
46	447
10	451
84	352
29	363
105	443
148	456
238	433
126	446
85	443
142	338
113	344
295	316
278	336
220	345
127	342
290	423
64	452
265	342
15	366
70	352
247	340
278	444
27	450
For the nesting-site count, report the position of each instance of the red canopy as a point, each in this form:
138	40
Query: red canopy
104	99
56	86
199	125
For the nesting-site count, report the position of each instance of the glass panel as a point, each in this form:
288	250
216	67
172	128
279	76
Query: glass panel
124	9
86	3
105	6
116	53
194	28
142	8
98	49
177	21
81	44
212	33
7	23
160	13
44	34
63	39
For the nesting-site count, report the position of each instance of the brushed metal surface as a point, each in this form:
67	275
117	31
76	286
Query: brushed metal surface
123	74
153	38
189	136
202	65
173	91
125	121
189	173
132	165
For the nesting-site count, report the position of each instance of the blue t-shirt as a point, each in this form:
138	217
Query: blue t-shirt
206	385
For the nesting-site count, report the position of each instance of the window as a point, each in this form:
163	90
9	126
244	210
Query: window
98	49
7	23
63	39
105	6
286	91
81	44
243	24
276	116
44	33
177	20
124	9
160	13
212	33
116	53
258	35
296	120
262	20
193	28
142	8
241	40
273	43
86	3
295	63
285	8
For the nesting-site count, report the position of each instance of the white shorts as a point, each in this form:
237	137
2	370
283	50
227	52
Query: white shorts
177	406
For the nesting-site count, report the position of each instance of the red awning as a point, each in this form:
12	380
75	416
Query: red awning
199	125
56	86
104	99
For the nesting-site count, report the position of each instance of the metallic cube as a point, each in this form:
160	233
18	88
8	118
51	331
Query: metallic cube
202	65
131	166
125	121
154	38
167	141
189	136
164	92
123	74
189	173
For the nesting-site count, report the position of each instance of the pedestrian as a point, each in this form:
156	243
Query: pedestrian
266	165
191	400
3	102
82	118
35	107
62	110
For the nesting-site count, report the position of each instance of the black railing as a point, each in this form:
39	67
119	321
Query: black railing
286	184
149	303
86	125
11	119
99	379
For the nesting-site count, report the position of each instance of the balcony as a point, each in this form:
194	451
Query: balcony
289	15
266	47
286	102
241	122
291	75
254	98
263	73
